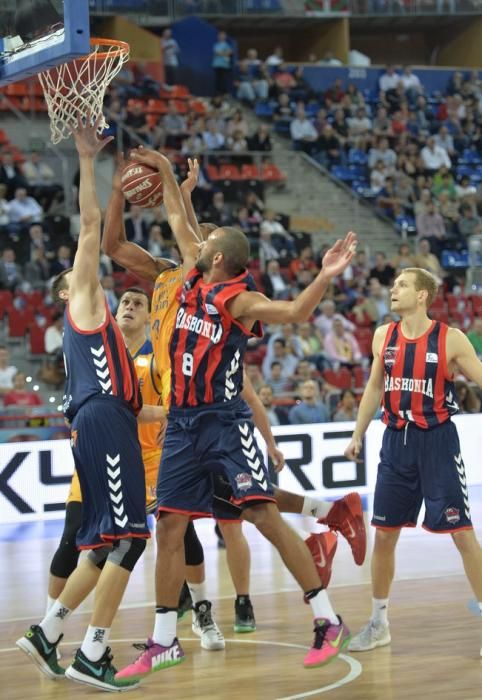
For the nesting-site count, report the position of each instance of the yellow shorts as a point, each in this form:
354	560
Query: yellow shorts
151	467
165	376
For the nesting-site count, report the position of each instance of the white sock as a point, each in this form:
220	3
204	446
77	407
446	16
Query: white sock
50	602
165	628
321	607
316	507
480	607
95	642
53	622
379	611
198	591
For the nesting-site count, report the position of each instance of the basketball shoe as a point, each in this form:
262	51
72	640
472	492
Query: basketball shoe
43	653
204	626
154	657
329	641
322	546
244	615
99	674
370	637
346	516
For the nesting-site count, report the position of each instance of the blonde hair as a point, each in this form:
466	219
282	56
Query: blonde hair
424	280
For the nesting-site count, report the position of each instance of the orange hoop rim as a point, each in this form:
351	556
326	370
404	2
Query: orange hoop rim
123	48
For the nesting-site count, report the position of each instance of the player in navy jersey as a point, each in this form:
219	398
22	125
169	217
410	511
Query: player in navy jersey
420	461
102	401
209	427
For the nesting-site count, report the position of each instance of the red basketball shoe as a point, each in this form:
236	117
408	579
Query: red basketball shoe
346	516
322	546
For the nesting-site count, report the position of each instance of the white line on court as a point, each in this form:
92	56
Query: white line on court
354	665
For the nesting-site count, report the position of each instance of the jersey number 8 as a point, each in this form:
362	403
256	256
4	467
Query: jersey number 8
187	364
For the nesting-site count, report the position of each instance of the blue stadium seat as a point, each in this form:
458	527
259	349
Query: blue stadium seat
452	259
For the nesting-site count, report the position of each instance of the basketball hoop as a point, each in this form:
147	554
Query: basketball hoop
77	88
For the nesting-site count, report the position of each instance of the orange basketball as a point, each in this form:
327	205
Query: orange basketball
142	185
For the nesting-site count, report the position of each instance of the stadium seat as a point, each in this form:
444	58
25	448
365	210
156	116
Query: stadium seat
342	378
229	172
477	304
271	173
19	321
156	107
36	339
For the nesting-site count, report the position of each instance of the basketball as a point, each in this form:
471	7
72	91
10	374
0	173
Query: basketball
142	185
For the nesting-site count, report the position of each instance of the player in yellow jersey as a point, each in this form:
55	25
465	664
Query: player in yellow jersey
132	318
345	515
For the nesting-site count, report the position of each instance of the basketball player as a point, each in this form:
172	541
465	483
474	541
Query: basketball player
345	515
414	361
209	429
101	402
132	317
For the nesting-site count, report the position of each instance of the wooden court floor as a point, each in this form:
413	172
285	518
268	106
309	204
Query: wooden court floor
435	648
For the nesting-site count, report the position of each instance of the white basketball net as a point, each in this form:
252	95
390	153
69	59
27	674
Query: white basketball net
77	88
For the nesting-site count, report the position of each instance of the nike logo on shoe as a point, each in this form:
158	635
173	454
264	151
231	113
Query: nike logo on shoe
171	654
97	672
336	642
321	554
351	533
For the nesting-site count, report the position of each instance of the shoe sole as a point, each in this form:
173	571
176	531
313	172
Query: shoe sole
29	649
343	646
217	646
381	643
244	629
74	675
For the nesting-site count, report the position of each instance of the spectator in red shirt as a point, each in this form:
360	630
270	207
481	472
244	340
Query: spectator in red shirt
20	395
305	261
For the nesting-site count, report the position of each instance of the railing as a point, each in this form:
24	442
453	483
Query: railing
147	10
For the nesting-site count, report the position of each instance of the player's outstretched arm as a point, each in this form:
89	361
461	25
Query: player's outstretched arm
86	298
115	244
187	188
461	352
176	211
371	396
261	421
249	307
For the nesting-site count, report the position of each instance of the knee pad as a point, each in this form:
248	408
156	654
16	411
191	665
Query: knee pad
126	552
98	556
66	557
193	549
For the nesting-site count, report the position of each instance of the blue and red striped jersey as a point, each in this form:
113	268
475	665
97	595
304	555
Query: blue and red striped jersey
97	363
418	387
207	344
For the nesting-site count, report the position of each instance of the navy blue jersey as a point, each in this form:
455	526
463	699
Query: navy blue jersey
97	362
418	387
207	344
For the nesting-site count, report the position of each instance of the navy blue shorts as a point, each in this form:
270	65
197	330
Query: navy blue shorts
108	460
419	465
207	441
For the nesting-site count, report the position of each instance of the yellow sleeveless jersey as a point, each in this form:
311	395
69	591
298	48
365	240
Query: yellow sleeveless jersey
150	386
164	308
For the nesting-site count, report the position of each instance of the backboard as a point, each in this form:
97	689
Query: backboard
39	34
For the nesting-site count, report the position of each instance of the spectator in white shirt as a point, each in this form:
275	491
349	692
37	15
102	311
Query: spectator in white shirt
411	84
281	354
7	372
434	156
54	335
170	52
445	141
23	210
303	132
384	153
212	138
276	58
389	80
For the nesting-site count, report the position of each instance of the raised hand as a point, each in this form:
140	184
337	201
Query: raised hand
149	157
86	137
339	256
190	182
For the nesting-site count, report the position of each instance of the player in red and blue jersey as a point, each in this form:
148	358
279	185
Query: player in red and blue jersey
420	461
102	402
210	430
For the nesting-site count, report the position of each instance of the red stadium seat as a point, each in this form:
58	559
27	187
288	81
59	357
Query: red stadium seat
359	377
6	299
37	339
250	172
197	106
342	378
271	173
364	337
477	305
212	172
156	107
229	172
18	322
